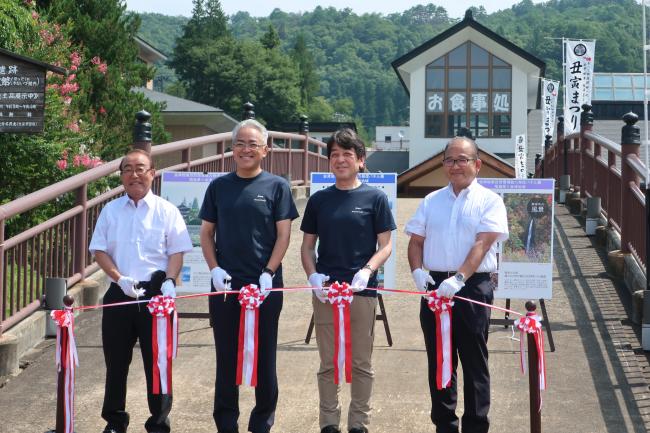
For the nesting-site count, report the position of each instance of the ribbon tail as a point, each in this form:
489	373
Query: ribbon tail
337	343
348	344
154	355
255	348
447	367
240	346
522	352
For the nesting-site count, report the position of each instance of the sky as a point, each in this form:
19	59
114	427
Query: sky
262	8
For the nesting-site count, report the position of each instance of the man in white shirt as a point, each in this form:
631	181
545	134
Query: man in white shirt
137	236
453	235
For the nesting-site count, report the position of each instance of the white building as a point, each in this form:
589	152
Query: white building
391	138
470	77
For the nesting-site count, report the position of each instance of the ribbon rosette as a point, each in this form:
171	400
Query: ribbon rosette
532	324
66	361
164	339
250	299
340	296
441	308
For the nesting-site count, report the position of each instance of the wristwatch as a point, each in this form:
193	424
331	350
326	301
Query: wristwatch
268	271
460	277
367	266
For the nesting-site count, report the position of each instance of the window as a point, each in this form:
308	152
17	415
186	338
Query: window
387	138
468	88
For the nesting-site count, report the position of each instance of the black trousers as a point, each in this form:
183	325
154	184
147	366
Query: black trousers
470	323
121	327
225	326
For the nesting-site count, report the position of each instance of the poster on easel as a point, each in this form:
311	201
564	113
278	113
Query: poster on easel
386	182
526	257
186	191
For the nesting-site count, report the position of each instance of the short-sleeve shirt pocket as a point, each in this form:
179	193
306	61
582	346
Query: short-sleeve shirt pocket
155	241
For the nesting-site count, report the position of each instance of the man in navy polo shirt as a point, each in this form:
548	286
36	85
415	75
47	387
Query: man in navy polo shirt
352	223
245	232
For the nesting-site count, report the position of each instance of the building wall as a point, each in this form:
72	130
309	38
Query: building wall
423	148
381	132
182	132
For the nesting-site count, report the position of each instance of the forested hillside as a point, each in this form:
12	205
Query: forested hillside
352	53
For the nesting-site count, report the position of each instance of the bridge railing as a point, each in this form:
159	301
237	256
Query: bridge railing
599	167
58	247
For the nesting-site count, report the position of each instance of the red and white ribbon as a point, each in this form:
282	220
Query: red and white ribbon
532	324
340	296
441	308
250	299
164	341
66	361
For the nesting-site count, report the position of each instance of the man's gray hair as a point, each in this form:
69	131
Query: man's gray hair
462	138
250	123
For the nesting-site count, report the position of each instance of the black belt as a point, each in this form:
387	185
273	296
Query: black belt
441	275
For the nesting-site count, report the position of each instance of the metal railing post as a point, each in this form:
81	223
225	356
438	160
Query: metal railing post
248	111
304	130
221	147
81	232
533	379
630	143
586	124
142	131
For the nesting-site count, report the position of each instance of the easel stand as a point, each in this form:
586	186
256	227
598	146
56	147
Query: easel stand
381	316
546	324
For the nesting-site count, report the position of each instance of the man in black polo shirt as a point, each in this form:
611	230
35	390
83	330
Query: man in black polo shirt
245	232
352	223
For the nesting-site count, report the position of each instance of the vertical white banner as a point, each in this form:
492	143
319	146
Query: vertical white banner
578	76
520	157
549	106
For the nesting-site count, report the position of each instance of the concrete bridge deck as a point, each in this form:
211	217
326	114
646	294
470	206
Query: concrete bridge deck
598	376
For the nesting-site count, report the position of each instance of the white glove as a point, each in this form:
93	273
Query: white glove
421	278
168	288
266	283
128	286
220	279
316	281
360	280
450	287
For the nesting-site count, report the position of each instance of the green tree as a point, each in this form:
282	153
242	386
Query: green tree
307	76
270	39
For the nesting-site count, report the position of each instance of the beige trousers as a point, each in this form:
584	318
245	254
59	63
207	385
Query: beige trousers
362	323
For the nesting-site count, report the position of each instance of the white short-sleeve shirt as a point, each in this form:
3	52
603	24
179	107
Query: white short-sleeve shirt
450	223
140	238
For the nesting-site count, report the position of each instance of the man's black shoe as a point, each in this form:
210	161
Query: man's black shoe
110	430
358	430
330	429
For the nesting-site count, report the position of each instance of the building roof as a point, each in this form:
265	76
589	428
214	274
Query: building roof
468	21
435	163
47	66
617	86
176	104
149	52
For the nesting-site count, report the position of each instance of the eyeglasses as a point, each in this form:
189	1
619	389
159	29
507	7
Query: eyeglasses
251	146
462	162
128	171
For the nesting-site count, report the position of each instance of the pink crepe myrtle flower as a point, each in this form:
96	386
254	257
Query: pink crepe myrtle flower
86	161
102	110
75	58
95	60
35	15
73	126
103	68
62	164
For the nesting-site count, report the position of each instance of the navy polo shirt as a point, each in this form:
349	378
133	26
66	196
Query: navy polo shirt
347	223
245	211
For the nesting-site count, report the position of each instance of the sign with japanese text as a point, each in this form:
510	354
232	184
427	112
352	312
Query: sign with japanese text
526	257
22	95
186	191
578	78
549	106
520	157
